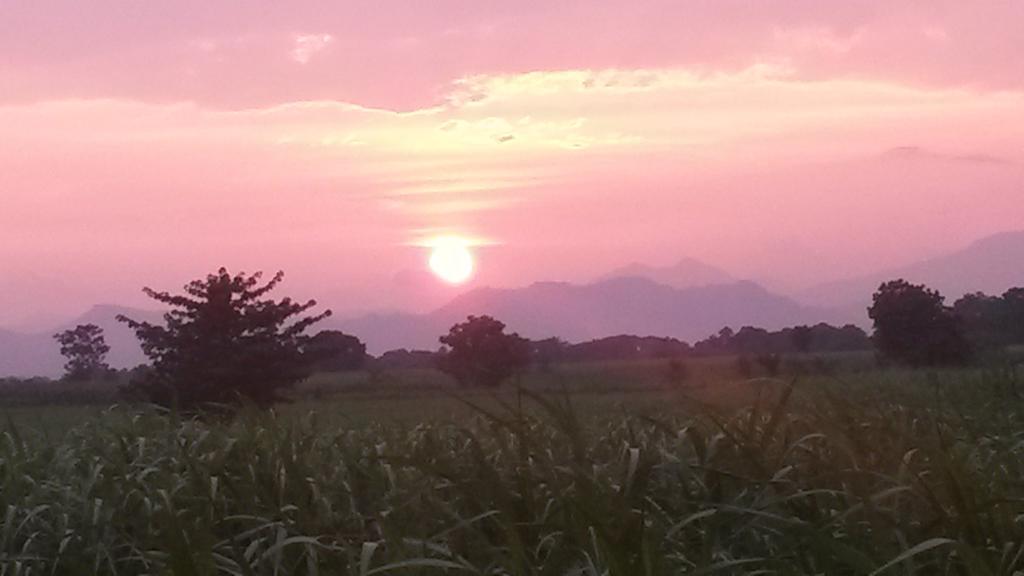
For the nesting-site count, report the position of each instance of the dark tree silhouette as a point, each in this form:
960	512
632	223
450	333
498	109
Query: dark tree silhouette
223	342
992	322
547	352
86	351
983	318
478	352
334	351
913	326
818	338
1013	322
802	337
626	347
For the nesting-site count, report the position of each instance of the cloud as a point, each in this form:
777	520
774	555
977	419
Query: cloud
305	46
603	161
921	153
390	53
511	134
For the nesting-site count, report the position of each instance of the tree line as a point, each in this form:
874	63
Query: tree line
225	341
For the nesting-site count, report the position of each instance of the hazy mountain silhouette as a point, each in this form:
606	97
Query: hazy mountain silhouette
689	300
991	265
37	354
583	312
687	273
25	355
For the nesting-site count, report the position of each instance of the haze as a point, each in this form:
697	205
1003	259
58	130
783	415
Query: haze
790	142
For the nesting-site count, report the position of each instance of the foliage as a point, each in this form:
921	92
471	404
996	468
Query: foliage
479	353
878	479
819	338
547	352
86	350
335	351
405	359
913	326
802	338
224	342
626	347
992	322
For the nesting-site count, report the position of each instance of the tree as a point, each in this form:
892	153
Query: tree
478	352
983	318
547	352
1013	322
334	351
86	350
802	337
223	342
913	326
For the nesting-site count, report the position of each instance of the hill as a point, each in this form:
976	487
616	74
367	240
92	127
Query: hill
991	265
687	273
573	312
585	312
37	354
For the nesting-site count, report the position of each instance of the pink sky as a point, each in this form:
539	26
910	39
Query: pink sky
146	143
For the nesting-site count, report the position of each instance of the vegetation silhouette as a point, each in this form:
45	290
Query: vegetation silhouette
224	343
478	352
802	338
820	338
913	326
335	351
86	350
992	322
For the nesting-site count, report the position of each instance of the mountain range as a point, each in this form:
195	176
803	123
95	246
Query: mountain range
686	273
990	265
579	312
37	354
689	300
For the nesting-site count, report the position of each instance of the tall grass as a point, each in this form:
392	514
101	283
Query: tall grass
906	479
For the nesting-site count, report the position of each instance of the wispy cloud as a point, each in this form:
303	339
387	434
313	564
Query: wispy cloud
306	46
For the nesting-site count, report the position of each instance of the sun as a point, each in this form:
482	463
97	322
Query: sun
451	260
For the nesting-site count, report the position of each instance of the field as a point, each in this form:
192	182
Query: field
590	470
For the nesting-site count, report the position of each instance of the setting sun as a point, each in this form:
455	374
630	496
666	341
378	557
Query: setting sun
451	260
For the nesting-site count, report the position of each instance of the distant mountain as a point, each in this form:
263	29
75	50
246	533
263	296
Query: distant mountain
687	273
585	312
25	355
991	265
577	313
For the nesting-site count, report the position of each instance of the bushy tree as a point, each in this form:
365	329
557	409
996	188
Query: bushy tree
478	352
913	326
983	318
992	322
224	341
335	351
1013	304
86	350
